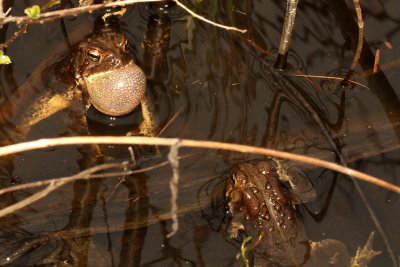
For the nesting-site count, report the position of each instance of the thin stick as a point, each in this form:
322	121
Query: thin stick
173	186
170	121
71	11
63	179
16	34
142	140
328	77
357	54
286	37
79	176
376	62
53	186
229	28
288	25
78	10
360	23
24	26
92	176
2	15
29	200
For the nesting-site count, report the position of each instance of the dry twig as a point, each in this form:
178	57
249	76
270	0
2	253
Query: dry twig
376	62
141	140
286	36
2	15
328	77
53	185
229	28
79	176
51	15
357	54
48	16
288	25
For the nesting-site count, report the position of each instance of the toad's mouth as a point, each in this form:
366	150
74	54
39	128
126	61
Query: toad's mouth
117	92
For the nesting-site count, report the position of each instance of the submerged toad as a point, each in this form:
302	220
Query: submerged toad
265	210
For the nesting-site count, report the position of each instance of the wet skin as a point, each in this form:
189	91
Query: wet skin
104	68
265	210
102	73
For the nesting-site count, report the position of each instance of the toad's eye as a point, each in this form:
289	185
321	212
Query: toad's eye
93	55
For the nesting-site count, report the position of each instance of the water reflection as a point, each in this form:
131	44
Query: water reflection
222	88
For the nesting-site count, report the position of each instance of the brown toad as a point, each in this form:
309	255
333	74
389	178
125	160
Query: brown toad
106	76
265	210
103	65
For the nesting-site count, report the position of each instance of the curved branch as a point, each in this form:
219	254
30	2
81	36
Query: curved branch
141	140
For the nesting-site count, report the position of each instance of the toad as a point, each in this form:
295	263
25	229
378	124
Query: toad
104	68
105	76
265	210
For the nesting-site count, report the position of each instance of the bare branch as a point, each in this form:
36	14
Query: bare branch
286	36
71	11
2	15
328	77
63	180
47	16
376	62
288	25
360	42
54	184
29	200
142	140
16	34
229	28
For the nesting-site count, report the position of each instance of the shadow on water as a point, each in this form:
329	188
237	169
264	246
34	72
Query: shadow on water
208	84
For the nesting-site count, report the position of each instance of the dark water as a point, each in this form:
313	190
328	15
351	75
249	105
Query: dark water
222	88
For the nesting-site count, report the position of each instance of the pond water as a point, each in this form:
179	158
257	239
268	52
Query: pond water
212	85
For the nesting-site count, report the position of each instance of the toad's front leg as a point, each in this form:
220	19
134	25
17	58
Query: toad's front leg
43	108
